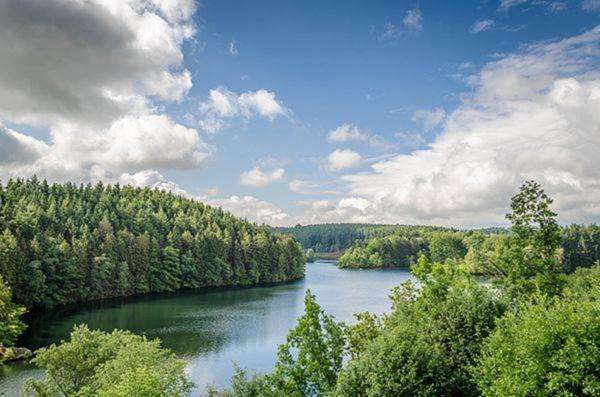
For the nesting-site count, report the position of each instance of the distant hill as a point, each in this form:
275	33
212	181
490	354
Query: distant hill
337	237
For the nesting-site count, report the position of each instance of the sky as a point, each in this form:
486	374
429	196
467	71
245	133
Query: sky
287	112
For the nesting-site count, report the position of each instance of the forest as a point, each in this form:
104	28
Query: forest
337	237
478	250
66	243
534	330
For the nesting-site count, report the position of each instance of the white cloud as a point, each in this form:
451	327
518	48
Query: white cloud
532	114
413	19
550	6
253	209
258	178
233	48
341	159
430	118
303	187
152	179
89	61
223	104
96	74
590	5
347	132
17	148
248	207
556	6
481	25
390	32
506	5
411	139
318	206
150	141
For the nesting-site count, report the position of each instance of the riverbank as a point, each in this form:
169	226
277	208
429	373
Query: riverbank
211	329
14	353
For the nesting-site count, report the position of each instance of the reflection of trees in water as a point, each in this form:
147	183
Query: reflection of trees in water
188	322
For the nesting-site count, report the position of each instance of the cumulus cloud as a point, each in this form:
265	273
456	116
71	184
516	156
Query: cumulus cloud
258	178
17	148
413	19
341	159
532	114
95	75
89	61
253	209
223	104
347	132
481	25
248	207
152	179
430	118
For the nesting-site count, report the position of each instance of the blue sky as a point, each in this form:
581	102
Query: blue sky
399	77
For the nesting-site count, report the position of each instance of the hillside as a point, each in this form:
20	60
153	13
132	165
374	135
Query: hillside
64	243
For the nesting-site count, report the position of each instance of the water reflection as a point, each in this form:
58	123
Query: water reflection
211	329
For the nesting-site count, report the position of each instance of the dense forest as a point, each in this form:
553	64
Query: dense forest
337	237
64	243
534	331
477	248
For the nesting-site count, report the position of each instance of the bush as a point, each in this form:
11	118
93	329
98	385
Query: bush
547	348
117	364
430	340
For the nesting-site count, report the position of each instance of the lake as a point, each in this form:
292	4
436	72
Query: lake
212	329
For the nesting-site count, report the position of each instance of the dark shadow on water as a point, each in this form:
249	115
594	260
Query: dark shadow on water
161	315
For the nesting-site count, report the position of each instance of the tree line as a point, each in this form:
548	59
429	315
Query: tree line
337	237
66	243
534	332
478	249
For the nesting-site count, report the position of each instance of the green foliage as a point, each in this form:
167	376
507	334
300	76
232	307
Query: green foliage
307	364
547	348
446	245
310	255
441	338
390	251
241	386
116	364
64	243
534	222
310	360
362	333
430	340
337	237
581	246
484	251
532	260
398	363
11	325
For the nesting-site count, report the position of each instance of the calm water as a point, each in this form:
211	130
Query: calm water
212	329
